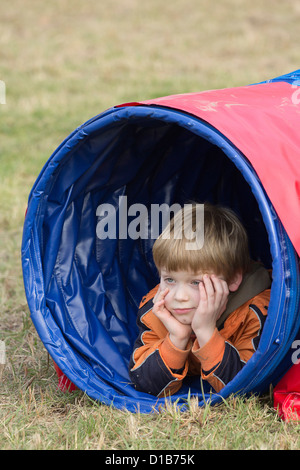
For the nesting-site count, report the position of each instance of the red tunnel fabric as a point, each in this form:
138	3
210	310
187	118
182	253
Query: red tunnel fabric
263	122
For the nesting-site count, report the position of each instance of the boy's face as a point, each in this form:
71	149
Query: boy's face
183	297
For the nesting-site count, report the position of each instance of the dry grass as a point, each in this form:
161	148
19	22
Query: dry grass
63	62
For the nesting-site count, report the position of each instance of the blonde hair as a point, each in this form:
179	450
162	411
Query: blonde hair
224	252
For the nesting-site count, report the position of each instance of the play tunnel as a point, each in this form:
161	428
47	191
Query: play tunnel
238	147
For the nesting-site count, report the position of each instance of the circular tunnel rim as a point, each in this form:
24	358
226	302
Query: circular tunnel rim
198	127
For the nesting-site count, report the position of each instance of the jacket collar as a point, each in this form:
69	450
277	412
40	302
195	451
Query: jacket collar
255	281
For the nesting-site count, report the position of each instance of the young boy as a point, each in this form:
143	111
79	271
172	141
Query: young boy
207	314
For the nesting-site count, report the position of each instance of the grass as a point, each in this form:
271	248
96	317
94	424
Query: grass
64	62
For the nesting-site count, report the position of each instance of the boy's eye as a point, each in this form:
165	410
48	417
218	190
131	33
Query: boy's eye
196	282
169	280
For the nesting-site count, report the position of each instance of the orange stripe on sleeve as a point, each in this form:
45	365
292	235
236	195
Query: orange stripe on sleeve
211	354
173	357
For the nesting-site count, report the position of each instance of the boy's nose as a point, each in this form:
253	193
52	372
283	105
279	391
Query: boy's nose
181	294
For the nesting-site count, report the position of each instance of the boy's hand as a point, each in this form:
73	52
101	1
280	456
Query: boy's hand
213	299
179	333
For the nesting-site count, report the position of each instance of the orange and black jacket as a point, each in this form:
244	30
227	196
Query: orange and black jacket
157	367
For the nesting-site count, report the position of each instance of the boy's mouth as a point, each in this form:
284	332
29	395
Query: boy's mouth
182	310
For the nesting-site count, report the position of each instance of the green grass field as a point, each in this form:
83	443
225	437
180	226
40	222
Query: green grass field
64	62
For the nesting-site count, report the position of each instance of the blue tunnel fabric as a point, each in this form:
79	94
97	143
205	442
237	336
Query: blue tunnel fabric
83	292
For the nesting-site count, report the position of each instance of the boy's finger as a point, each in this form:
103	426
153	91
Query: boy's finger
220	285
164	293
203	295
160	294
209	287
221	290
157	306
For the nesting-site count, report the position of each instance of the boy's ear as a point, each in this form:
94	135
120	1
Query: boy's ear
236	282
